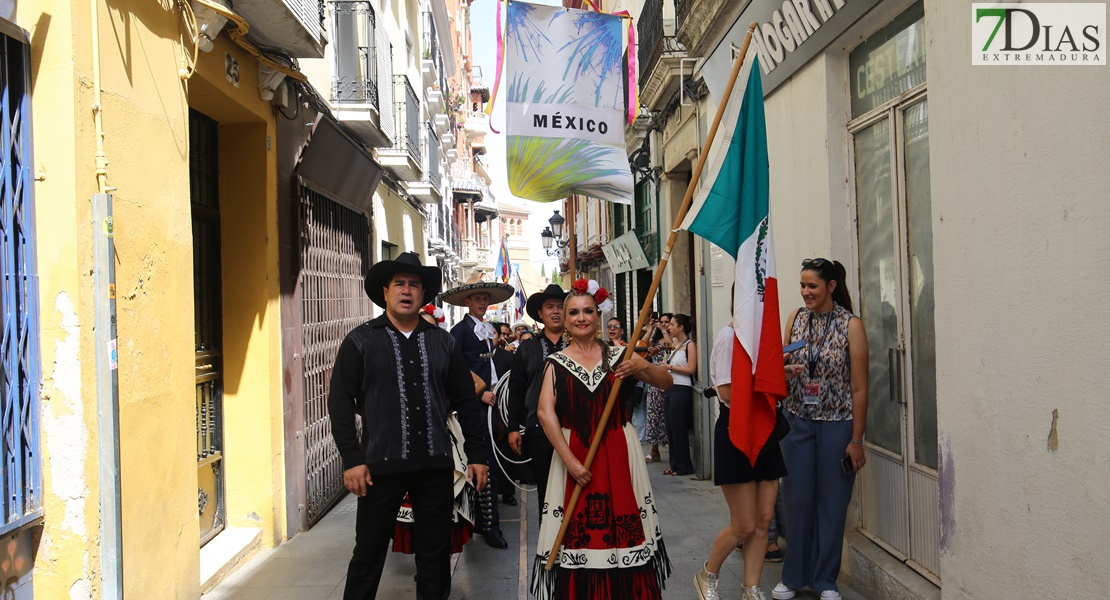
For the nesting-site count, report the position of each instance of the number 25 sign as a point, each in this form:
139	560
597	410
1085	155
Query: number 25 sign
231	69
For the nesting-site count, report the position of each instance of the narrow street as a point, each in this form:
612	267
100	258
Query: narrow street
313	564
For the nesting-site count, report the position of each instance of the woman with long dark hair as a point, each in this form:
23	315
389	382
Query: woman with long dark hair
677	401
827	412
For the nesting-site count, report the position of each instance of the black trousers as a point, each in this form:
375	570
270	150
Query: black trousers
676	408
538	448
432	495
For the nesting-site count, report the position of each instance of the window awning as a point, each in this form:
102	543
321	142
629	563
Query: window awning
338	166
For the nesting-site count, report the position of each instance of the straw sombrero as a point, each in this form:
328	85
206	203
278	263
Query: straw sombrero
498	292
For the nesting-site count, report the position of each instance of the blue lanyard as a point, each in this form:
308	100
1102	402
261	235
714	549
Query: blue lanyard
815	350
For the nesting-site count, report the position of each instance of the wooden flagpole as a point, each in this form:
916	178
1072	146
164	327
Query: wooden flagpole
642	319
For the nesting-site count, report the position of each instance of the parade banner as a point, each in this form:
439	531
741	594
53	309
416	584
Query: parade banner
565	104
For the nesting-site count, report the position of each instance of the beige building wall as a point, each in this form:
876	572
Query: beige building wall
1018	189
1020	222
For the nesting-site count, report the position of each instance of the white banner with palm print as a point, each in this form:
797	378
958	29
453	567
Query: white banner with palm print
565	104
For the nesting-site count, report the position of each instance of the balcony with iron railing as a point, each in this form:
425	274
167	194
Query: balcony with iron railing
433	158
681	7
295	27
403	157
697	20
430	58
428	188
359	71
658	53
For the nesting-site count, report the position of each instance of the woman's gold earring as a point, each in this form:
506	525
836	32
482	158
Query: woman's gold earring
566	335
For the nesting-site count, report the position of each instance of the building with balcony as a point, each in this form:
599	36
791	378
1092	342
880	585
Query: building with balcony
136	463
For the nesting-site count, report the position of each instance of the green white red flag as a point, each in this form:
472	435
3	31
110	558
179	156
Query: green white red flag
733	212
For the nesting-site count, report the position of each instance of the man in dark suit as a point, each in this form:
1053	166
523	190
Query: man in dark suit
477	339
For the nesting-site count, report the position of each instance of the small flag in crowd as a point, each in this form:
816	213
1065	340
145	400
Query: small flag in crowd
504	267
521	298
733	212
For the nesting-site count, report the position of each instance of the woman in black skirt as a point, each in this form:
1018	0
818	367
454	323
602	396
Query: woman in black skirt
750	491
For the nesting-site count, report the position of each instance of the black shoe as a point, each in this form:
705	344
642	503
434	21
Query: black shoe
508	500
496	540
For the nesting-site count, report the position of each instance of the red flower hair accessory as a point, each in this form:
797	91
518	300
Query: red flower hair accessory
436	312
592	288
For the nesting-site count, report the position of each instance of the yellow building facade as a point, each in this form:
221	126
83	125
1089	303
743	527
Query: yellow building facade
144	49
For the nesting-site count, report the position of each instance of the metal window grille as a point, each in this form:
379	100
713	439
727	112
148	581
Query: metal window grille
20	373
335	253
681	9
408	117
355	33
649	32
204	181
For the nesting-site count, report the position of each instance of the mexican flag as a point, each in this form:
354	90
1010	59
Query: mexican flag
732	211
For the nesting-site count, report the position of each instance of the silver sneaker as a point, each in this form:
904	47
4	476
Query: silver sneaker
706	585
753	593
781	592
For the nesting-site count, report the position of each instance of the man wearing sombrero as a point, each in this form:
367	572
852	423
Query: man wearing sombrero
477	339
403	377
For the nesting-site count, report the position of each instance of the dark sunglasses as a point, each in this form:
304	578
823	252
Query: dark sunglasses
816	263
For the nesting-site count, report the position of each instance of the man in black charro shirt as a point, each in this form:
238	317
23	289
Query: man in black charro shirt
524	384
403	377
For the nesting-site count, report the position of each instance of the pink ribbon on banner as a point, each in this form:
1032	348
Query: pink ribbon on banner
500	65
633	90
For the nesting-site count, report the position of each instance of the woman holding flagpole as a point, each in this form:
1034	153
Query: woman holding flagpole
827	411
613	547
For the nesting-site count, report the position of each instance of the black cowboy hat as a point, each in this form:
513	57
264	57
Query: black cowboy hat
535	301
379	275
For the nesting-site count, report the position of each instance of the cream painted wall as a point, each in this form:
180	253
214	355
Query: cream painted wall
63	145
1020	222
397	222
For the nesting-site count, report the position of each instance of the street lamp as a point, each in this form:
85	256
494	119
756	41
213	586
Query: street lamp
553	236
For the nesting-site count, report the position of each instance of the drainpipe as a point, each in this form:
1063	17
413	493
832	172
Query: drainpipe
107	375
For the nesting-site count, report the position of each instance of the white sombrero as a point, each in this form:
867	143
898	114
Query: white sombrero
498	292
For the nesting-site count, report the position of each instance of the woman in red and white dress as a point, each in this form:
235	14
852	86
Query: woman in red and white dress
613	547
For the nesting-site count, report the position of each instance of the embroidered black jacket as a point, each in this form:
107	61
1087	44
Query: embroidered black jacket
403	388
525	379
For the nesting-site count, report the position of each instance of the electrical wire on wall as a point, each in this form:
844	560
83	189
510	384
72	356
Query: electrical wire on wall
193	32
238	33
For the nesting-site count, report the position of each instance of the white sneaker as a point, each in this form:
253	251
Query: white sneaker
706	585
753	593
830	595
781	592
